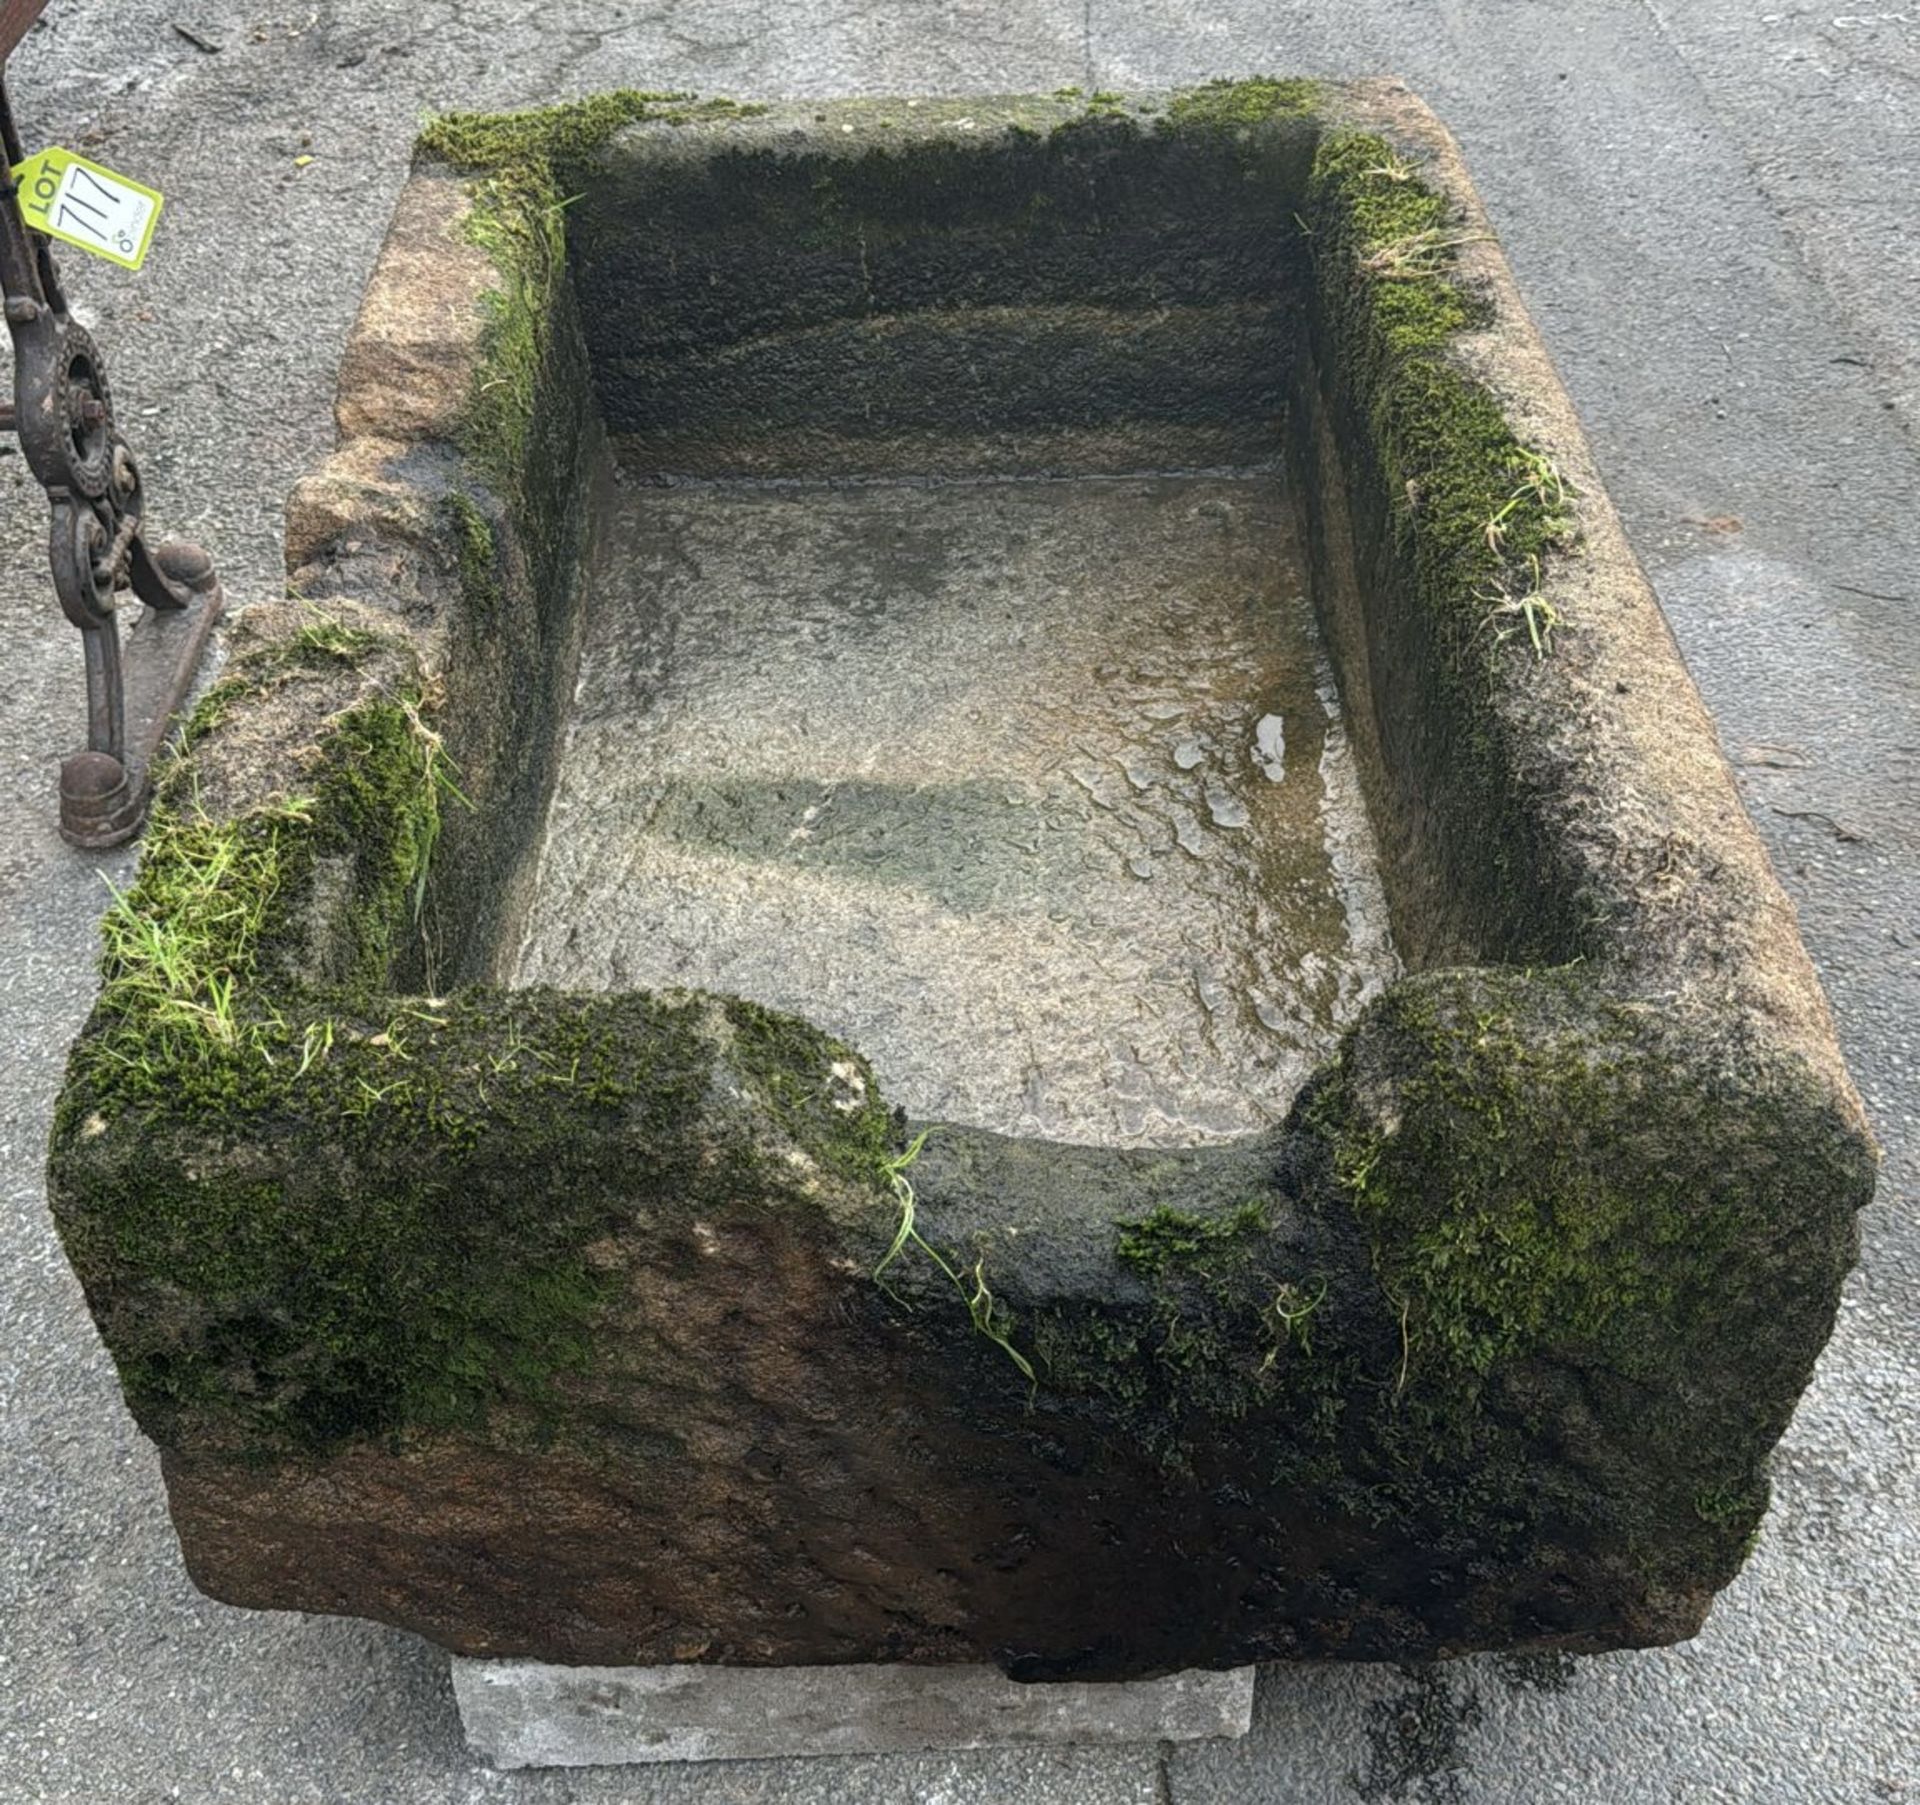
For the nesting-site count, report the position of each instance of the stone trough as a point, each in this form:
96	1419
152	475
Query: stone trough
1100	607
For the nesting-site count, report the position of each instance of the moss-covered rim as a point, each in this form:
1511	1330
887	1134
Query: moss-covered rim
258	1122
1488	512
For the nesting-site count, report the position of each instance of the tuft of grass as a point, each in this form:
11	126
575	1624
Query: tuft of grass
1393	168
1541	488
981	1312
1417	256
986	1316
182	946
180	942
316	1044
1510	607
320	638
894	1170
1292	1312
437	779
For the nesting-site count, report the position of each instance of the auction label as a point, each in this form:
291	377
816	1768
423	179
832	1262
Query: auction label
84	203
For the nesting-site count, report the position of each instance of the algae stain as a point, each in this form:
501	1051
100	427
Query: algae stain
1416	1739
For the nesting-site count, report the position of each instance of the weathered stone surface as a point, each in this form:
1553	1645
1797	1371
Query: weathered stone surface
1060	896
406	368
589	1327
527	1714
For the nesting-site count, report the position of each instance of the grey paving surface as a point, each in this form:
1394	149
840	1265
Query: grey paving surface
1780	79
1710	210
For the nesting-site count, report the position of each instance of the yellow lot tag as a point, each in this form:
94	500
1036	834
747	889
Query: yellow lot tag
86	204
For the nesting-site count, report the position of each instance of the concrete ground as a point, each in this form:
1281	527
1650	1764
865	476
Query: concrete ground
1710	210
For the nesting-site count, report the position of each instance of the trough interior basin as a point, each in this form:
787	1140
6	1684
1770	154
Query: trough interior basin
950	673
1035	791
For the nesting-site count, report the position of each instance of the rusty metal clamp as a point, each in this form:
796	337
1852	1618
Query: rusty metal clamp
63	414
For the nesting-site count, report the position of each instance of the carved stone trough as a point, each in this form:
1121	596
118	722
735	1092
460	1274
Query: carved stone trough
1103	608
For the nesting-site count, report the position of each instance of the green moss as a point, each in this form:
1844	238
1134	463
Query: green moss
313	1211
320	641
179	947
479	556
355	1215
1550	1185
516	219
523	164
821	1091
1171	1239
402	1238
216	900
323	1304
1097	129
1493	1226
521	427
379	799
1725	1505
414	1259
1471	521
1477	509
1230	105
215	704
560	138
1381	193
1221	1332
319	644
187	1010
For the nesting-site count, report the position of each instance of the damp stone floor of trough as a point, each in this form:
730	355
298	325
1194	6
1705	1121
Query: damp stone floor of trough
1035	791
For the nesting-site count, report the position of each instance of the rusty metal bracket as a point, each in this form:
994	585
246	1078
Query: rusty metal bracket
63	414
